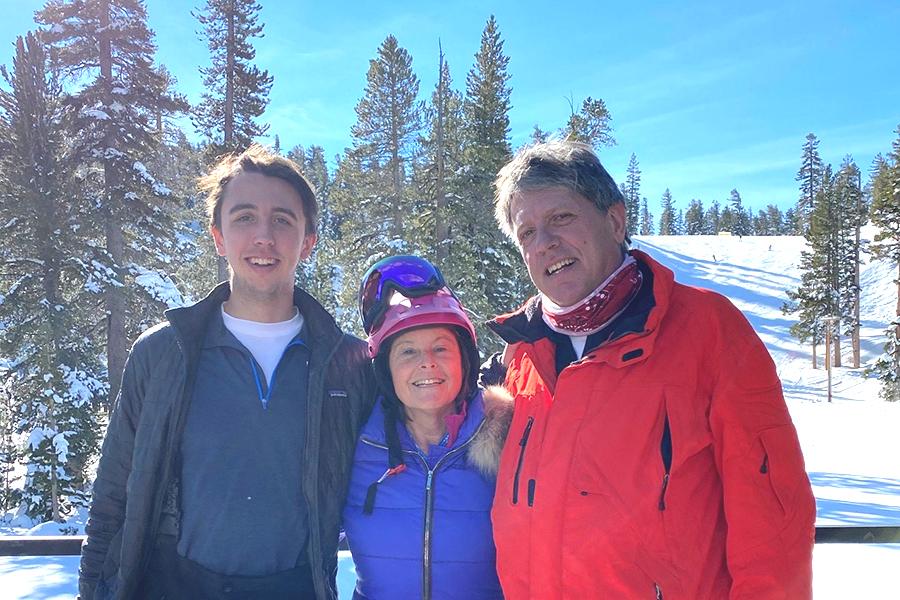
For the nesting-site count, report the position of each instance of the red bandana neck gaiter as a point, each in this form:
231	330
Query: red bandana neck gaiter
600	307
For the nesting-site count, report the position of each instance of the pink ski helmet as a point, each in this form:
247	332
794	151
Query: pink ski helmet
402	292
437	308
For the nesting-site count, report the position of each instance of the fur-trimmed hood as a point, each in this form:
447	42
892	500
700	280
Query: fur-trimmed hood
484	450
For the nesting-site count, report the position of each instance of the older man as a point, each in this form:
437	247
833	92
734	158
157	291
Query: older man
651	454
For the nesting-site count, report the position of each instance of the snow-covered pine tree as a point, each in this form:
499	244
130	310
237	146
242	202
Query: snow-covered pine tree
192	259
48	294
485	266
10	446
693	218
646	218
851	215
712	218
775	221
667	218
439	165
236	91
106	48
810	178
818	296
741	222
372	195
885	214
320	274
631	189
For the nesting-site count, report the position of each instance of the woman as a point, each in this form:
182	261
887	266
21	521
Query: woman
418	510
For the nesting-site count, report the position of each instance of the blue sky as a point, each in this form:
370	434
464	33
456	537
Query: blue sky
710	96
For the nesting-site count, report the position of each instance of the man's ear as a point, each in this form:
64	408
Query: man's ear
218	239
309	242
616	214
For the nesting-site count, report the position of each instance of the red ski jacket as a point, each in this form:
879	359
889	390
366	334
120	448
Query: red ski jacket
662	465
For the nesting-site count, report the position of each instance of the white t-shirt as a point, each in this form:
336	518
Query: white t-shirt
265	341
578	342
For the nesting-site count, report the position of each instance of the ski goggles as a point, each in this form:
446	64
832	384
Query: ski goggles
411	276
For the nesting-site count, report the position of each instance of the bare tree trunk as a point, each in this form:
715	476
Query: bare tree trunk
228	125
441	231
856	291
116	345
814	360
837	344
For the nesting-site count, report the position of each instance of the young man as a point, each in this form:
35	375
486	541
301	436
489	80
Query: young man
228	454
651	454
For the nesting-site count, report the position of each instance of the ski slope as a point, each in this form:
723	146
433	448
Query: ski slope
851	445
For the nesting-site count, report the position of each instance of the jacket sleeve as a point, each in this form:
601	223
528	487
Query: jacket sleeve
769	505
107	511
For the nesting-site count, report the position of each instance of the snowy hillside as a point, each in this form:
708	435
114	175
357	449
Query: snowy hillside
851	445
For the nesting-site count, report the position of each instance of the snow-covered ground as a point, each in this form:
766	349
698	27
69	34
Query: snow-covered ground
851	445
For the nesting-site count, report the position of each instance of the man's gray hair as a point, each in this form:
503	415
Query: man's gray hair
570	165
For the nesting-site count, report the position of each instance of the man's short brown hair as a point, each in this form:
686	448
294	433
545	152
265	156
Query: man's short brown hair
256	159
570	165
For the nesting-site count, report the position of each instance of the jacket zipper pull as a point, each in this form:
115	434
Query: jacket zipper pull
531	485
662	495
764	467
522	443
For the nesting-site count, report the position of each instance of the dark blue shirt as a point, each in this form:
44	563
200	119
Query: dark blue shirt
242	504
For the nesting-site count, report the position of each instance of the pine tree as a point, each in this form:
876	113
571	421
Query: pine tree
236	92
713	218
440	164
320	274
775	221
106	45
727	220
47	301
820	294
851	215
667	218
387	116
693	219
538	135
789	224
372	195
646	219
632	192
885	215
590	124
10	448
810	177
741	223
485	266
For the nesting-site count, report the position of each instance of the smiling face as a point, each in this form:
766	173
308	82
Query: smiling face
263	235
426	369
569	246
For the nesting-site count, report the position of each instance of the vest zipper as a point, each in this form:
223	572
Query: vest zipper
659	595
522	443
426	550
429	502
764	467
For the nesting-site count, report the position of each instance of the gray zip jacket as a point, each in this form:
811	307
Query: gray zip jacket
137	462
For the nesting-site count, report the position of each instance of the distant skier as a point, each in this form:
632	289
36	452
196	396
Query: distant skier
228	453
651	453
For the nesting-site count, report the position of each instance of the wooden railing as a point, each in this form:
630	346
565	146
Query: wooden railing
70	545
